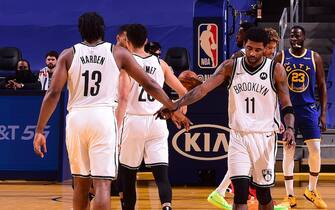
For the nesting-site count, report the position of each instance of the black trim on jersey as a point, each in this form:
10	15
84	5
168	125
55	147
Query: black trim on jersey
274	119
116	157
277	123
82	176
74	50
233	73
264	185
93	45
103	177
276	148
240	177
122	129
158	60
257	70
272	69
129	167
143	57
156	164
94	177
112	46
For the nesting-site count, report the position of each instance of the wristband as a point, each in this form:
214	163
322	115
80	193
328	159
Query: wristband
288	110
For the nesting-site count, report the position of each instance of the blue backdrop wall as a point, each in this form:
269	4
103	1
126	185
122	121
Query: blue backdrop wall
37	26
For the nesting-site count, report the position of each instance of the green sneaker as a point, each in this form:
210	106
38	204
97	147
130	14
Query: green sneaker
217	200
280	207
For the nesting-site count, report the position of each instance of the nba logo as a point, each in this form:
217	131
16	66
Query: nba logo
208	45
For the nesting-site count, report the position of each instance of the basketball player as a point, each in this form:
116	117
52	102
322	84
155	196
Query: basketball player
142	136
240	38
217	197
121	37
254	84
91	70
304	69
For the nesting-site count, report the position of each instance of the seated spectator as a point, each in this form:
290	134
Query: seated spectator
45	74
153	48
23	79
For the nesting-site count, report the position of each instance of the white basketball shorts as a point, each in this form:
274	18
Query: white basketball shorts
143	137
252	155
91	140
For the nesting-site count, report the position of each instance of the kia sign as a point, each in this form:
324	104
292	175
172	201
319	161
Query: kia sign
206	142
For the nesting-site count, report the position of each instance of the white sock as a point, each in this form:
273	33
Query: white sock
221	189
289	187
313	180
314	162
288	167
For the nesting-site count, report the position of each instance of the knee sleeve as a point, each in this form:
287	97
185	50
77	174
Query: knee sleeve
263	195
162	180
128	187
288	161
241	190
314	158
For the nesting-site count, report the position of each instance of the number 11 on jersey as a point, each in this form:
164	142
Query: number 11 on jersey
250	105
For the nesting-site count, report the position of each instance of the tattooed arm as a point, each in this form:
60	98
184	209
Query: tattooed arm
222	74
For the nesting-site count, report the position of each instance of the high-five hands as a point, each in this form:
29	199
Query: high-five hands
177	117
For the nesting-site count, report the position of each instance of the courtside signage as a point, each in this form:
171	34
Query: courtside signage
206	142
208	45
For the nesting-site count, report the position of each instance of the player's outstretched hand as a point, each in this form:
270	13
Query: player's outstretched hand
177	117
40	144
288	138
163	113
180	120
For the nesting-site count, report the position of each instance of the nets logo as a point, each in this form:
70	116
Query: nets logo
208	45
203	142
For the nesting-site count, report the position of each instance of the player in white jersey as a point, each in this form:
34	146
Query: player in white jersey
254	85
143	136
217	196
91	70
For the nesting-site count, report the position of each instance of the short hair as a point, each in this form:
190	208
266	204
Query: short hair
246	25
299	27
257	34
52	53
137	34
152	47
122	28
273	35
91	26
24	60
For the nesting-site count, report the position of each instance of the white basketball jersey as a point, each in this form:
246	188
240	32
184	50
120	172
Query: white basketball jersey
253	101
93	76
141	103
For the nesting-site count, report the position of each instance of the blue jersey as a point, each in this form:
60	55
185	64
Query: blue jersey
301	76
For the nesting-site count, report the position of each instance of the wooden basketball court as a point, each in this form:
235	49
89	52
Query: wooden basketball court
55	196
